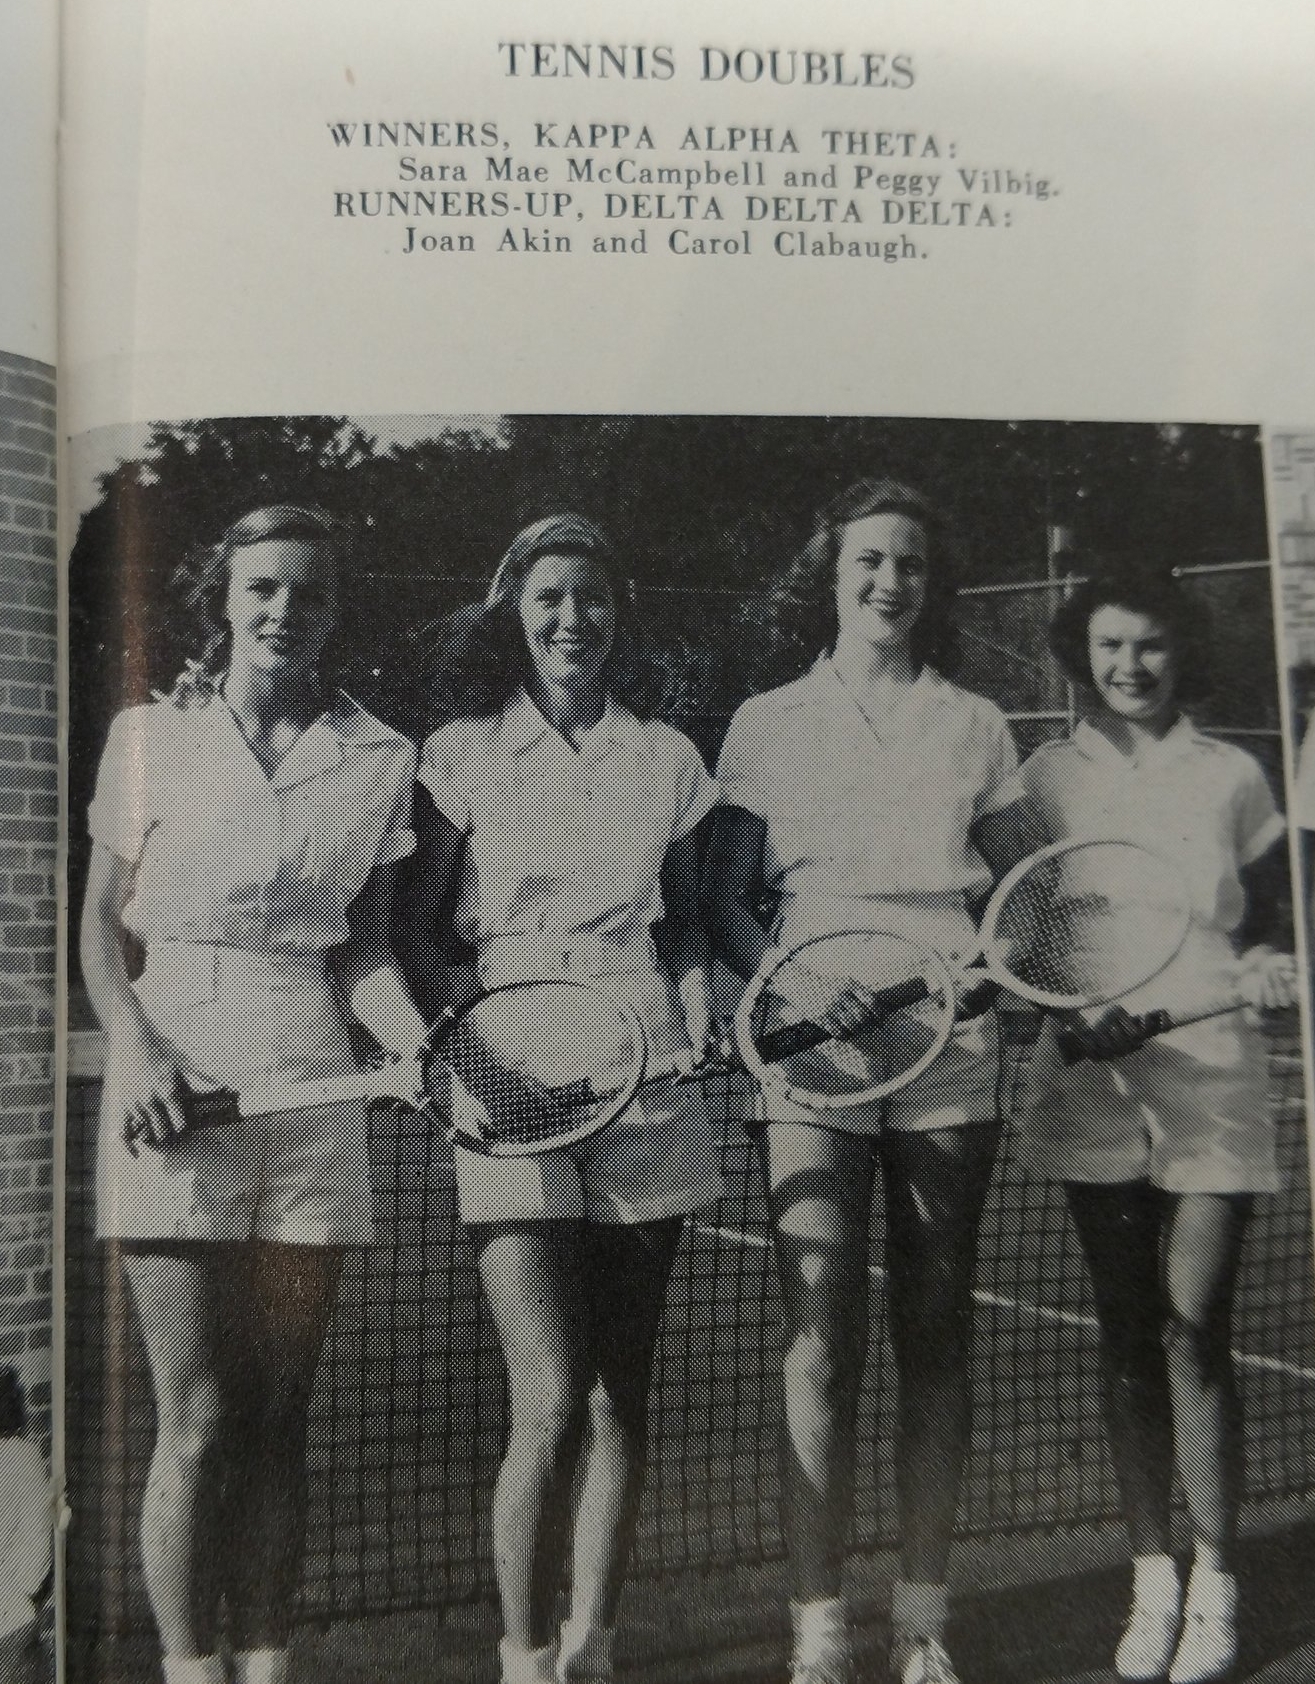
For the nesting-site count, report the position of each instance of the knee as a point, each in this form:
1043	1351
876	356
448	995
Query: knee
191	1423
548	1415
1197	1347
619	1414
820	1370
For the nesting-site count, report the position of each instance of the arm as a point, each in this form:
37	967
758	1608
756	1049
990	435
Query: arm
1006	836
370	974
733	889
1268	976
153	1086
683	940
424	911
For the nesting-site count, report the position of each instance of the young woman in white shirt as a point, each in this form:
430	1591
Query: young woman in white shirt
856	796
1163	1144
561	842
244	832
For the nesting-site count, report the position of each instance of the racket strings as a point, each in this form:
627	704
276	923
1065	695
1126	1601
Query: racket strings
1089	923
876	1053
543	1061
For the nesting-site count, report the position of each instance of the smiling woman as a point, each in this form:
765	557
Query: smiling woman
561	842
242	829
568	618
856	797
280	605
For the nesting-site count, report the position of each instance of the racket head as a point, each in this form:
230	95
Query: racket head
542	1065
1080	923
836	1073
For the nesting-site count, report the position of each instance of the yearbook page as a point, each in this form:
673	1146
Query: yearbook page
688	1044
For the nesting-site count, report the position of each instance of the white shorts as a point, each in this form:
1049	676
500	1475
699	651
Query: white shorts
1188	1112
662	1158
962	1086
302	1177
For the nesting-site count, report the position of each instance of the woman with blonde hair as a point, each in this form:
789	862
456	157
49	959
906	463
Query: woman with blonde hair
244	831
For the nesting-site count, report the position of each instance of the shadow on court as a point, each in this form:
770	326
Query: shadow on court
1030	1611
1063	1631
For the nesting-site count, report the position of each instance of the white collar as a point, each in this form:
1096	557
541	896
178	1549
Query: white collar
321	747
1180	739
523	725
926	690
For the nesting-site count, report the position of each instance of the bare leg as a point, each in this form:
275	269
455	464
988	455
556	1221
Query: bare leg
1120	1229
1202	1248
819	1197
530	1273
936	1183
276	1313
174	1290
625	1272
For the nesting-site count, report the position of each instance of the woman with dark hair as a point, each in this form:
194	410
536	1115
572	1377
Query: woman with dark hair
244	832
1162	1152
854	797
562	841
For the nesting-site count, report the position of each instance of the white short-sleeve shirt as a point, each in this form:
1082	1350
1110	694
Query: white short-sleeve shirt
226	854
564	846
858	809
1203	803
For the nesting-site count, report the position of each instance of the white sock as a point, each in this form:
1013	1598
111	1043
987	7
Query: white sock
1155	1580
918	1608
820	1631
261	1666
588	1645
193	1669
527	1666
1209	1556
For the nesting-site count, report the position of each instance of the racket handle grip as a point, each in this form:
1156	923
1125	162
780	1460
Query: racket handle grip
799	1037
212	1108
1159	1022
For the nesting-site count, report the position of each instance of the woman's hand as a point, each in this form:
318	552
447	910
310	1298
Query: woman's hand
1115	1034
839	1006
154	1092
696	1005
1267	980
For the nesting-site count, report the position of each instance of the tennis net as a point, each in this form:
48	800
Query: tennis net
407	1420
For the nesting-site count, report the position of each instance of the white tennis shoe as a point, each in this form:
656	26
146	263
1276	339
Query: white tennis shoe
920	1660
1207	1649
1151	1634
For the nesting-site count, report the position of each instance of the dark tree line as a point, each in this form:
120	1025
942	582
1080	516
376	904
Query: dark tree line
706	510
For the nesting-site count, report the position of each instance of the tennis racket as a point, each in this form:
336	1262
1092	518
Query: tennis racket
549	1063
1159	1021
1075	924
907	1017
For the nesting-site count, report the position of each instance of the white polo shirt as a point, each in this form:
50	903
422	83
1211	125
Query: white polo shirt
859	810
562	863
226	854
1203	803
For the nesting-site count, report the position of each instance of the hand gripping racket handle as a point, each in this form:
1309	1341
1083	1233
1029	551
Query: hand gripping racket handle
793	1038
1153	1023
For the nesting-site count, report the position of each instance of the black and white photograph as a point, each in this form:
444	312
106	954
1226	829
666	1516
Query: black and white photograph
685	1055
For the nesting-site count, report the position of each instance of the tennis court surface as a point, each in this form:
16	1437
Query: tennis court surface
408	1420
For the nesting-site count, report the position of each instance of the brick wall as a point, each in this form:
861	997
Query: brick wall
29	805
